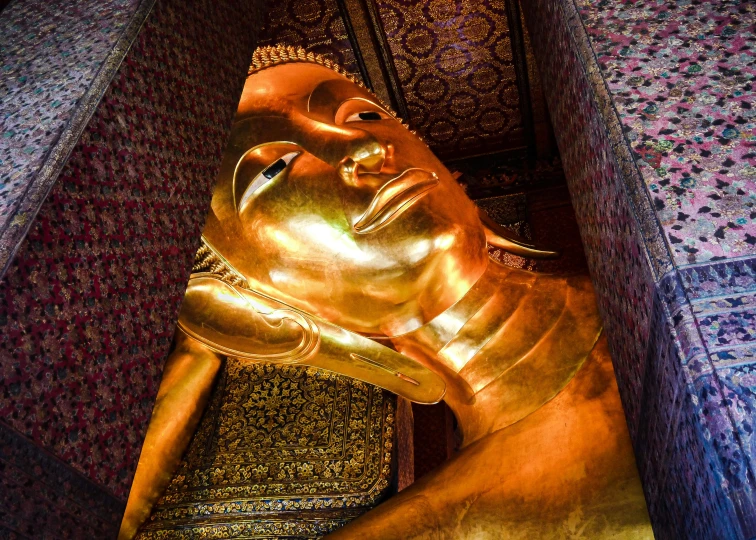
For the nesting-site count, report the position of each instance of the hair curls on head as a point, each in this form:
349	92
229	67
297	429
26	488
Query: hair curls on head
273	55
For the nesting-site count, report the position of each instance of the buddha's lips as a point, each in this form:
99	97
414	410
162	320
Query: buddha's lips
394	197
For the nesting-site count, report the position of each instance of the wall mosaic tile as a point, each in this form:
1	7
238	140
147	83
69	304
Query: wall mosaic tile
663	387
730	278
56	62
681	78
88	306
648	163
45	498
702	509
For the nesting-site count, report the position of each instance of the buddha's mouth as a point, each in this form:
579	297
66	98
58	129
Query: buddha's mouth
394	197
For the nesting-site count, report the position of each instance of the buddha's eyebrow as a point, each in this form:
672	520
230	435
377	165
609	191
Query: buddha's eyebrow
326	97
255	131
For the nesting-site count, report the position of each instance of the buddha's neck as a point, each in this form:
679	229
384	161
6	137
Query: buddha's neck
508	346
456	337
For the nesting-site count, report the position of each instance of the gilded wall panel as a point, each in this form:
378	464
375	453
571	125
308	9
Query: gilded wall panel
281	451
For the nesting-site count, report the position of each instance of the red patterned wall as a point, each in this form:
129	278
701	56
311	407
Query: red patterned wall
454	61
88	307
315	25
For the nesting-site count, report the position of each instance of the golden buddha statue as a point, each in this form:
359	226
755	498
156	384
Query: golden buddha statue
337	239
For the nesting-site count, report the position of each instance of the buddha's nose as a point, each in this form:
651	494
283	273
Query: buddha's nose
365	158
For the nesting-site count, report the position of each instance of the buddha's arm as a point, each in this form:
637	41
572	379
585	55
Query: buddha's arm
184	390
564	471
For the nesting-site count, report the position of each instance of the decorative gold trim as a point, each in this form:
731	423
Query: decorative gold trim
273	55
208	260
281	451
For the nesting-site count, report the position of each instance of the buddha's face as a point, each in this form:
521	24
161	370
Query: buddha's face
328	203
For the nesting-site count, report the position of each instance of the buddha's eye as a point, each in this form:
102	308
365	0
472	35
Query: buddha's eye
268	174
366	116
359	109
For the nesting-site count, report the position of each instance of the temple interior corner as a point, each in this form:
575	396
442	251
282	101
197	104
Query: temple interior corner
377	269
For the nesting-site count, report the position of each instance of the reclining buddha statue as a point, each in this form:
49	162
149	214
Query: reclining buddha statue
336	239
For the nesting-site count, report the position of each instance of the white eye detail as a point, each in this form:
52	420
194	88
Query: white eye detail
269	173
366	116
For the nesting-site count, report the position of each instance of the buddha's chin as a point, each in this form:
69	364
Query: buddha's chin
420	302
406	282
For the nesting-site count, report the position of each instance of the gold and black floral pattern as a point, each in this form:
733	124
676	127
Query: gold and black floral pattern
281	450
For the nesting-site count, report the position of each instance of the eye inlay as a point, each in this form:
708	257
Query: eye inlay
273	170
268	174
370	115
366	116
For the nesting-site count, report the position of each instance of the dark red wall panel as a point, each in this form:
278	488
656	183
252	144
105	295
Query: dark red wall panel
88	307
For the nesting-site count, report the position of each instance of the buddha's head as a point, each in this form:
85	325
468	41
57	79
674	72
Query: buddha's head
327	202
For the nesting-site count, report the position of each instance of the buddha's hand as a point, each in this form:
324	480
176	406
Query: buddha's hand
249	325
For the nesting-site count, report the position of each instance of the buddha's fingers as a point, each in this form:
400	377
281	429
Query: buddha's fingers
184	390
355	356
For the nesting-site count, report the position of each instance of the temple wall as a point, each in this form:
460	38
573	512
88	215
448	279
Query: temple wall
455	64
57	59
651	108
88	304
113	132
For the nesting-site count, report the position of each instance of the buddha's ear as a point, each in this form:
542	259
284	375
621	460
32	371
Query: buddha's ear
502	238
251	326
